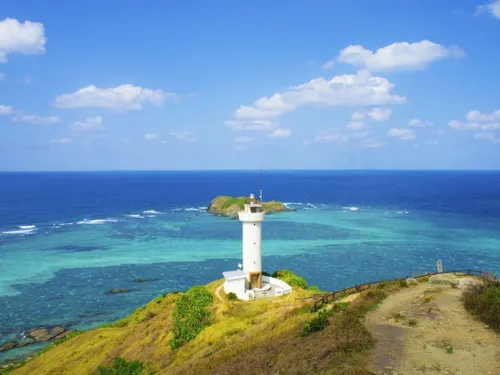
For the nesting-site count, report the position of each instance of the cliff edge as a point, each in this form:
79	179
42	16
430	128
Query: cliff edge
230	206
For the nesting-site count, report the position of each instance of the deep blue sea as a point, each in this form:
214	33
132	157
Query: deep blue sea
67	238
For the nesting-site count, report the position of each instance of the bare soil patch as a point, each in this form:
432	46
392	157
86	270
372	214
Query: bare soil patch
426	330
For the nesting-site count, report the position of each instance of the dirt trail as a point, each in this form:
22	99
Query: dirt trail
426	330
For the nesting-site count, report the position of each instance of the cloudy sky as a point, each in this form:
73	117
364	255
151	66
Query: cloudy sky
90	85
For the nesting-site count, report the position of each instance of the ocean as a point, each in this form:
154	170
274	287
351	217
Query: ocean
66	238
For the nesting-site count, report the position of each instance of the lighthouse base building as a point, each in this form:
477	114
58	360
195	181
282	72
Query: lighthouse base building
248	282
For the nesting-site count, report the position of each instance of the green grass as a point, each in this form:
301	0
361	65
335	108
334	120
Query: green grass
191	315
319	322
232	296
483	300
290	278
412	322
121	366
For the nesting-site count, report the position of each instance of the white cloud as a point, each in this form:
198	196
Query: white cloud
483	117
26	38
493	8
419	123
62	140
242	140
184	136
491	126
124	97
370	143
280	133
486	136
250	125
343	90
432	142
356	116
380	114
397	56
6	110
151	136
359	135
329	64
460	125
356	125
327	137
35	119
478	120
89	124
404	134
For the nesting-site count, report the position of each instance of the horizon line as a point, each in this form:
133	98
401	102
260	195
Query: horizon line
250	170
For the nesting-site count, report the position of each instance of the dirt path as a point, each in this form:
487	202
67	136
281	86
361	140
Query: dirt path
217	292
426	330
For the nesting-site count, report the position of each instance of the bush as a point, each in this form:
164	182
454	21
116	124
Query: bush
316	324
121	366
232	296
319	322
483	300
290	278
314	288
191	315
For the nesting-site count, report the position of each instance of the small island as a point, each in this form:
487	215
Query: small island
230	206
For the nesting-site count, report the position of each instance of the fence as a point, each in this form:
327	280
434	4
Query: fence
321	299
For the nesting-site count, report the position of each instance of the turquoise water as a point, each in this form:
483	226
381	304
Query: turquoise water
56	269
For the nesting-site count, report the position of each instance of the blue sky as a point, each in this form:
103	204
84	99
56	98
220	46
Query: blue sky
94	85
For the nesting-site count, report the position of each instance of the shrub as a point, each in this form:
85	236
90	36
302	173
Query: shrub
290	278
314	288
232	296
482	299
191	315
316	324
319	322
121	366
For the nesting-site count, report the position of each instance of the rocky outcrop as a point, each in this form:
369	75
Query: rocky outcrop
117	291
230	206
444	279
44	334
36	335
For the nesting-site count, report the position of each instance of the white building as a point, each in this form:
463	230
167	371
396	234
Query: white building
248	282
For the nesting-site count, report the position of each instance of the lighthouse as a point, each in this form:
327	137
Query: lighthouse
248	282
252	218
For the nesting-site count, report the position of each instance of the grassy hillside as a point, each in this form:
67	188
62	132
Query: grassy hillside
230	206
276	333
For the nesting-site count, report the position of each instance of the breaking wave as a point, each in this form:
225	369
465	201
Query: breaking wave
151	212
20	231
135	216
27	227
96	221
351	208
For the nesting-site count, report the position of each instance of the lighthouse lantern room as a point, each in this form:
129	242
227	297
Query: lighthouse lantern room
248	282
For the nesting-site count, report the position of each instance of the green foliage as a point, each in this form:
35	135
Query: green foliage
121	366
482	299
319	322
412	322
290	278
314	288
229	201
191	315
316	324
264	273
232	296
59	341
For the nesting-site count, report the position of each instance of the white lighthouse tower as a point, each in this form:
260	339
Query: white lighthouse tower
248	282
252	218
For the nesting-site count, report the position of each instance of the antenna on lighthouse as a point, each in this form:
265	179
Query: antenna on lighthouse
260	195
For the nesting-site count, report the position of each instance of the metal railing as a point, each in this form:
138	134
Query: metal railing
321	299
